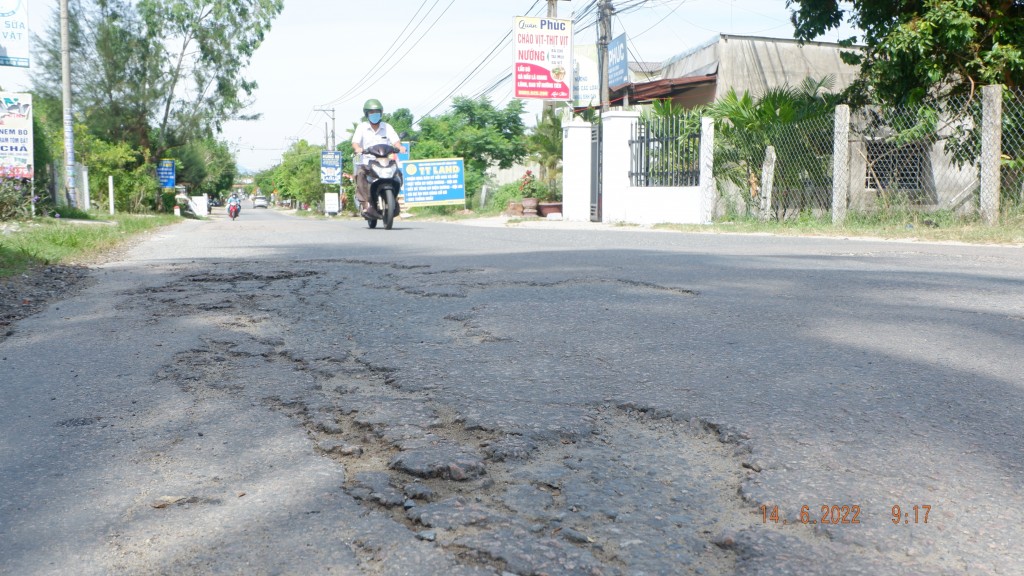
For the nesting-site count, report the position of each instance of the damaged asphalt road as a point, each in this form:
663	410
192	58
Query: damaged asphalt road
314	397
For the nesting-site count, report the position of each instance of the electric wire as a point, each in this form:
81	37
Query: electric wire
402	57
389	53
506	40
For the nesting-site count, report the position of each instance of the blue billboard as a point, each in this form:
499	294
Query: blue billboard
165	173
434	182
330	167
618	62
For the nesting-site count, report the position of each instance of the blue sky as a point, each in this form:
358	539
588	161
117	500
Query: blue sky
322	54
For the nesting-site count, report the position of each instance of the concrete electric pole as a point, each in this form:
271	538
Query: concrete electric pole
603	39
330	114
69	124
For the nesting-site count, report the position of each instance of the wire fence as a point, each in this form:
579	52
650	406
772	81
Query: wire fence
916	158
924	159
1012	165
802	179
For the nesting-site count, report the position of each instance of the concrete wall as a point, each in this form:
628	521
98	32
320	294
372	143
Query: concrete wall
757	64
623	202
576	171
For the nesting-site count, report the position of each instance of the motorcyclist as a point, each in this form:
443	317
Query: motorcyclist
374	130
235	201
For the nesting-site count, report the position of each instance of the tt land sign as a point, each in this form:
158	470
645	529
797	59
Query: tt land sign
434	182
543	58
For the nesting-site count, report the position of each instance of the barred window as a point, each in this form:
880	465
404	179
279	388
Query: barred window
895	167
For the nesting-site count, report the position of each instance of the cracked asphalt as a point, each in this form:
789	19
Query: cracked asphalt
278	395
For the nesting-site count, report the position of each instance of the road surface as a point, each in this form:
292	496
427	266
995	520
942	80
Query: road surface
278	395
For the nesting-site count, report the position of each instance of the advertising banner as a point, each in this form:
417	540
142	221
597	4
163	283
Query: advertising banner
330	167
434	182
618	62
332	203
586	87
14	33
543	58
165	173
16	135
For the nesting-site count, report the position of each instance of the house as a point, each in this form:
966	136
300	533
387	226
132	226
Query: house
881	167
743	63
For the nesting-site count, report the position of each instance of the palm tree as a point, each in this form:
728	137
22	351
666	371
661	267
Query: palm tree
545	146
796	121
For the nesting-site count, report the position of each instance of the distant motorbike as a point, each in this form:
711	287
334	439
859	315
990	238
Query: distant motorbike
385	179
233	210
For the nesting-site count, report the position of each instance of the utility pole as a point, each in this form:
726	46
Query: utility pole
69	124
330	114
604	34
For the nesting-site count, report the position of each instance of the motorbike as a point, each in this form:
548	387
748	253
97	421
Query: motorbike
233	210
384	176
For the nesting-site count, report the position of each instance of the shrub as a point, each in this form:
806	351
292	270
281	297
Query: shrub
15	199
498	199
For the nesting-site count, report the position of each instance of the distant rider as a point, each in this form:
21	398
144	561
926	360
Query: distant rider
373	131
234	201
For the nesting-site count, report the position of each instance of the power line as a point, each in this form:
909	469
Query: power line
388	52
406	53
505	41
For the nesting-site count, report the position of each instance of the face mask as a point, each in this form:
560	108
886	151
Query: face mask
374	117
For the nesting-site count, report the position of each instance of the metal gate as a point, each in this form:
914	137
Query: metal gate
596	137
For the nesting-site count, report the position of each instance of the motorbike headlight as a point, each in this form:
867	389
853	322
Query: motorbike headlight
386	171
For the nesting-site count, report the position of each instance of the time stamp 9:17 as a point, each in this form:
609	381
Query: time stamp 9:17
844	514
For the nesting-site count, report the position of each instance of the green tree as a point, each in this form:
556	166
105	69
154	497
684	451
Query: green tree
297	177
207	167
545	145
925	50
402	121
794	120
160	73
479	133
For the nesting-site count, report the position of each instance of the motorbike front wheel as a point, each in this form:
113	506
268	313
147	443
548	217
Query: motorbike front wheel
389	208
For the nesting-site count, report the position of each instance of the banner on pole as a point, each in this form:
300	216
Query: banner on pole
618	62
330	167
14	50
543	58
16	135
165	173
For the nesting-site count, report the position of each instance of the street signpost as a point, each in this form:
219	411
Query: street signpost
330	167
165	173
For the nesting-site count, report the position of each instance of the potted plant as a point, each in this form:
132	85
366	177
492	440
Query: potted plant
550	201
531	190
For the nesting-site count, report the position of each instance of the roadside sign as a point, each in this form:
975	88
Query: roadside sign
618	63
332	203
330	167
16	151
434	182
543	58
14	45
165	173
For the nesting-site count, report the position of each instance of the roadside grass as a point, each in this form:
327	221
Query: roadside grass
928	227
76	235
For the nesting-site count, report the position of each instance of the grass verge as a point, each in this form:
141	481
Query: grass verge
47	241
936	227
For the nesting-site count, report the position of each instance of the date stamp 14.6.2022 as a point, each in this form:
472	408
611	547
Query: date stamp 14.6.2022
843	514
